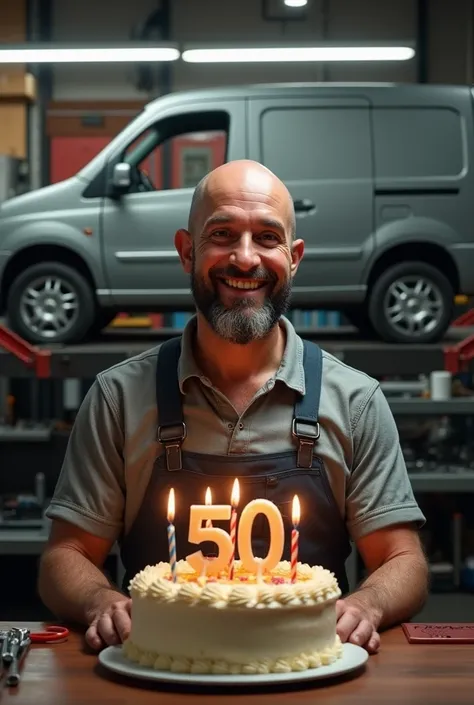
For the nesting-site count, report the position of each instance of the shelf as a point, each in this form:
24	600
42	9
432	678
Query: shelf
23	433
430	407
442	481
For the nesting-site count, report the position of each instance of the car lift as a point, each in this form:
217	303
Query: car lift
456	357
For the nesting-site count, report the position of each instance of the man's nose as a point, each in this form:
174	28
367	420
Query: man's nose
244	253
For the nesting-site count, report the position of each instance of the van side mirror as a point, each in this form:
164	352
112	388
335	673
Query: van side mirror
122	177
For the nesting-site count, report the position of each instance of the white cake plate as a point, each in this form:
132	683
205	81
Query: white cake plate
353	657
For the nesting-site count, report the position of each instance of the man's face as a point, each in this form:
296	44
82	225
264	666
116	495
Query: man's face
243	261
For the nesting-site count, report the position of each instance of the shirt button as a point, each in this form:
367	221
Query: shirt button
230	426
241	426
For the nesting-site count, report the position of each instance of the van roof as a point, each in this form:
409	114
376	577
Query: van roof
265	89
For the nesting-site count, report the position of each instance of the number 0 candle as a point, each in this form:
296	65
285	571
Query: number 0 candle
295	517
172	534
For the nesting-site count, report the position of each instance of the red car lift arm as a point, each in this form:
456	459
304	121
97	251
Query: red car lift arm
31	356
457	357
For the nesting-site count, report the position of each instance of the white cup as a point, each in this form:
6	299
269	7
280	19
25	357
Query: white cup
440	385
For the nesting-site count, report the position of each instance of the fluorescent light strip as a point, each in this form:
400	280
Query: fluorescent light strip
296	3
289	54
82	55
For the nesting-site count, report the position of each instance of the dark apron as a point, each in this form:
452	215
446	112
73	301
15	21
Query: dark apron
276	476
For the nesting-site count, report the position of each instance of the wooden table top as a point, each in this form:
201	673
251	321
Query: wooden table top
67	674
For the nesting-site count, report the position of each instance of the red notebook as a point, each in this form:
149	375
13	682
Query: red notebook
442	633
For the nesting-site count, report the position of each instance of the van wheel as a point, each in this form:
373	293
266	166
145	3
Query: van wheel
411	302
51	303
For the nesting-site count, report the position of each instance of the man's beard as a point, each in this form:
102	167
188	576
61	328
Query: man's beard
247	320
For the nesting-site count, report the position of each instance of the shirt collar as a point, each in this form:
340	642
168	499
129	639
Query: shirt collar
290	372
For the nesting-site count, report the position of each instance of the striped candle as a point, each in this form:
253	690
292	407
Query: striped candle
233	525
208	501
172	535
295	534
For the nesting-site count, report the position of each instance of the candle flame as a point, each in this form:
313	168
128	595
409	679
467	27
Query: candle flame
235	496
208	499
296	512
171	505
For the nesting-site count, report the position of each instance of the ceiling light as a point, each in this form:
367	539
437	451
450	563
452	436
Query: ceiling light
296	3
54	54
288	54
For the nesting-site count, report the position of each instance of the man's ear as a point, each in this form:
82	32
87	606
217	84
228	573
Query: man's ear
297	252
183	243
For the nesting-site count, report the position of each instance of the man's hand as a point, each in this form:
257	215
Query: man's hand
357	624
110	624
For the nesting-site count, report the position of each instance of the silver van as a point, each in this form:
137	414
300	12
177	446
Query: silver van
383	189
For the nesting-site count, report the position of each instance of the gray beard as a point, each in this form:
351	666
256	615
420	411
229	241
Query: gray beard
245	321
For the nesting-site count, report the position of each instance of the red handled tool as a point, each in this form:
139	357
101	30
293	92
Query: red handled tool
51	635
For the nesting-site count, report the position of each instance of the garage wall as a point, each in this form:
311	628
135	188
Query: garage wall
205	20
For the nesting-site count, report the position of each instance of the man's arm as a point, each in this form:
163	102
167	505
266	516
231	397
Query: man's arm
87	512
397	585
70	576
395	590
73	586
383	517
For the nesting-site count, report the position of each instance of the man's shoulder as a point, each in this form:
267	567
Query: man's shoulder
135	371
346	376
346	390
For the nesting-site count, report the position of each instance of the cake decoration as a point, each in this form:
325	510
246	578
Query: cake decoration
219	614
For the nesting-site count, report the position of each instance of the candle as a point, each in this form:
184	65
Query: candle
234	500
197	533
295	517
172	535
277	537
208	501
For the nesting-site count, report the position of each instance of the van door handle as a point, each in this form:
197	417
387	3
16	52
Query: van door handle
304	205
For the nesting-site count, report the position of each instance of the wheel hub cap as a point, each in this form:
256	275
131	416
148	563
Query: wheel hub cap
413	305
49	307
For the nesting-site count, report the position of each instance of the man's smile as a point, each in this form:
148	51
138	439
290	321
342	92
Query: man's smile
250	284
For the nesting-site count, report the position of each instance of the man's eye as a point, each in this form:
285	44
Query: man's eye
220	233
271	237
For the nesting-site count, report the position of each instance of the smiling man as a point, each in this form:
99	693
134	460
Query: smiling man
238	395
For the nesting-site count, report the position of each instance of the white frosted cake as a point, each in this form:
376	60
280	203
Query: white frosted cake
249	625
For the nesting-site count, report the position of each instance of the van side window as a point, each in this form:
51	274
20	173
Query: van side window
177	153
418	143
317	143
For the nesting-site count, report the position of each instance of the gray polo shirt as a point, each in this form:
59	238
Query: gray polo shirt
113	443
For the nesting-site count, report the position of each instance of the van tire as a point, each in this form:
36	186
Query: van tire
70	280
435	281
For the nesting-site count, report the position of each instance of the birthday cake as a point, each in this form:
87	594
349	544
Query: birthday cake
248	624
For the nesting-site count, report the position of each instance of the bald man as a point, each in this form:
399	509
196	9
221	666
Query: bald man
238	395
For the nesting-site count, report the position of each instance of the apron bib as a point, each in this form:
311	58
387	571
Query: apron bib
277	477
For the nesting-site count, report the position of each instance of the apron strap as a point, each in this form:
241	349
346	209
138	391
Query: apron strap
305	422
171	429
